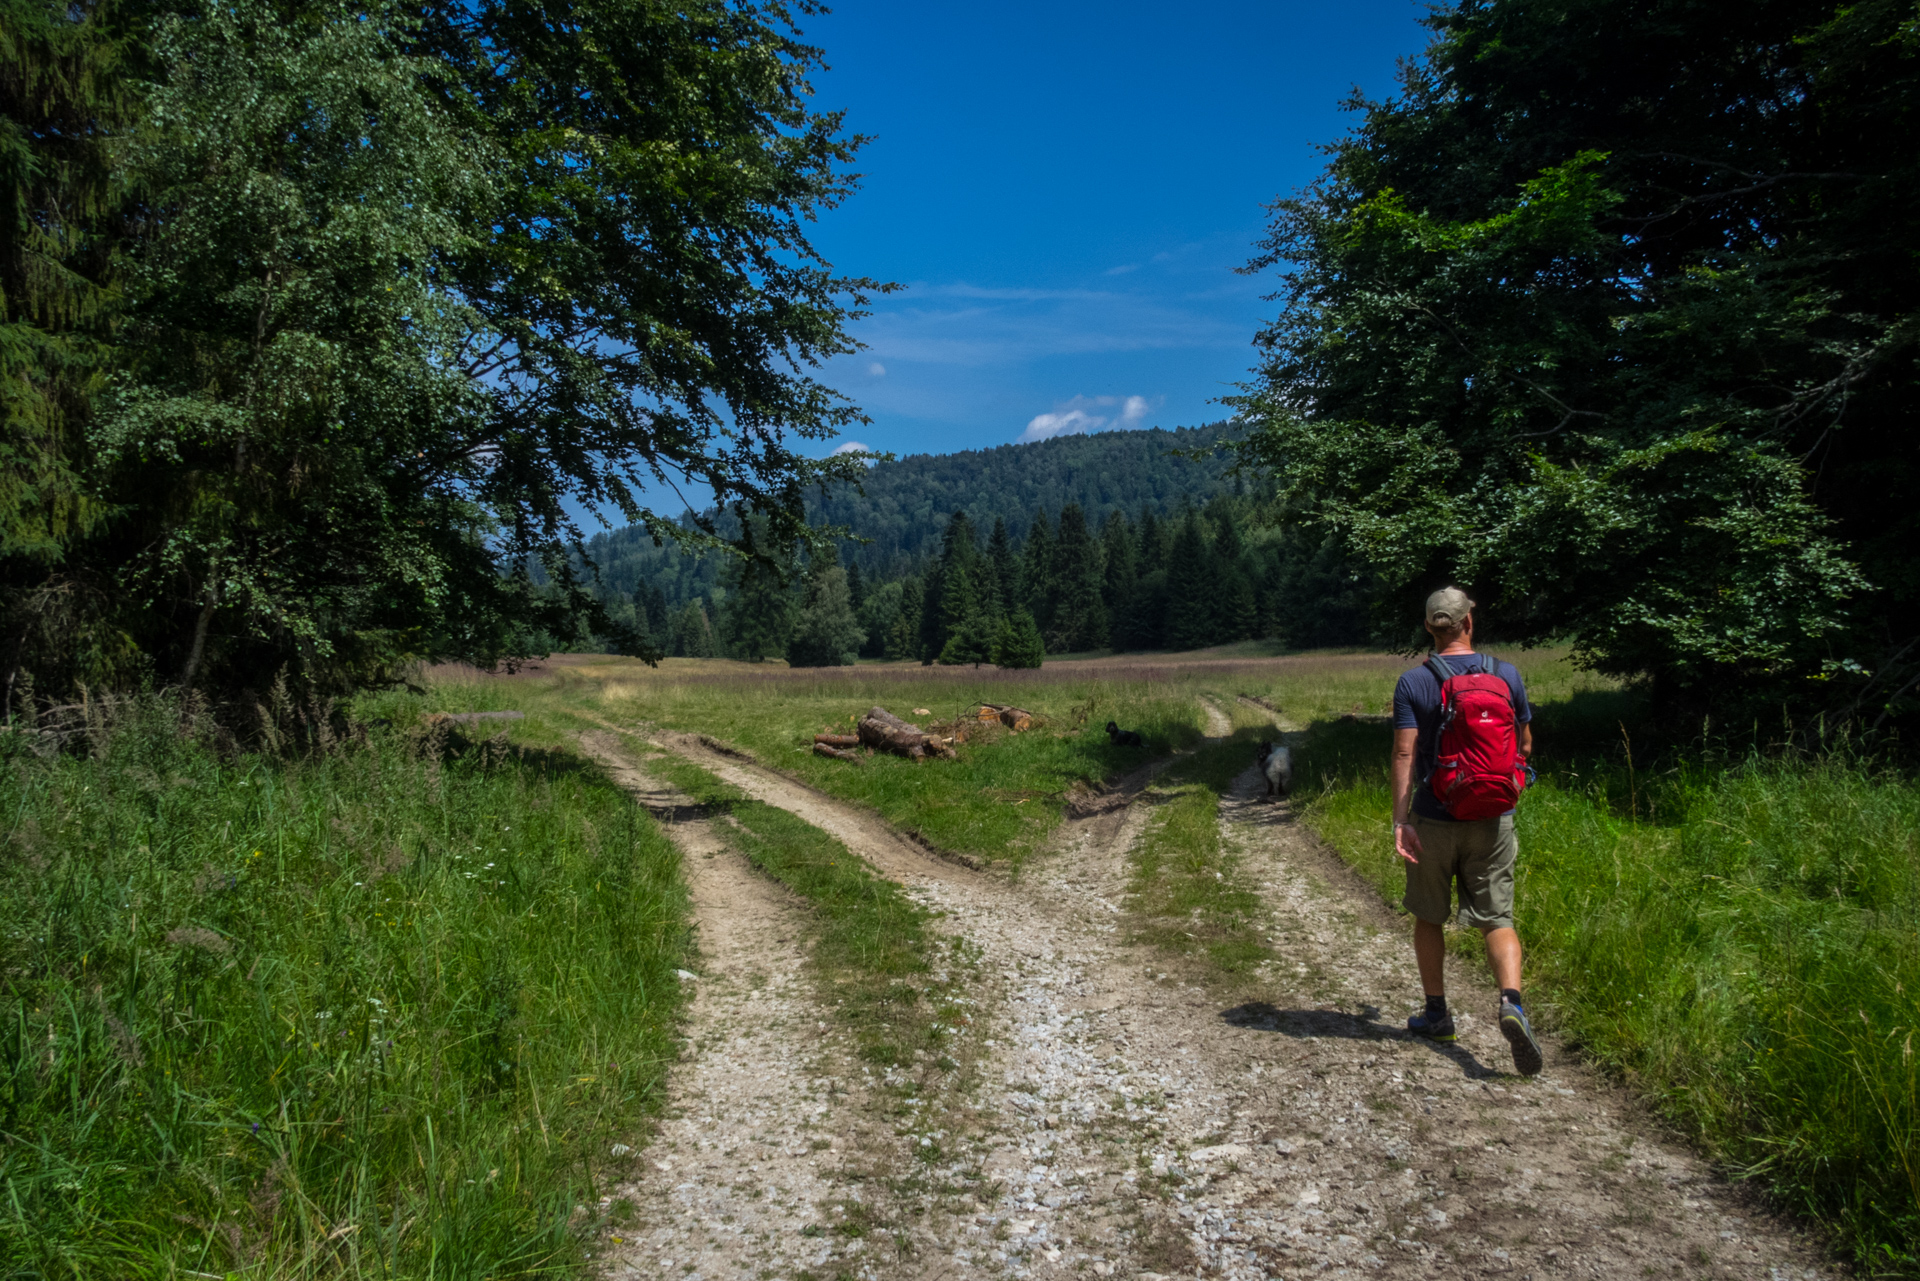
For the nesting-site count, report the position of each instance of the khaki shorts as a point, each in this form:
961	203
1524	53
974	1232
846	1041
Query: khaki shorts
1480	856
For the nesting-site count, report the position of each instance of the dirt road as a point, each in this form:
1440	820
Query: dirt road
1135	1117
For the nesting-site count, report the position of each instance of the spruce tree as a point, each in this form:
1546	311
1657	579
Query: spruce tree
61	99
952	587
856	586
1190	605
1234	615
1005	569
1080	617
826	633
1116	547
758	617
903	637
692	632
651	618
1019	644
1036	572
1153	542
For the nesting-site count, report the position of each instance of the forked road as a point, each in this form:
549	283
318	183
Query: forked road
1131	1120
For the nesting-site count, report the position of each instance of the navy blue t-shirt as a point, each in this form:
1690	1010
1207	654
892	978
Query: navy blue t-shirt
1416	705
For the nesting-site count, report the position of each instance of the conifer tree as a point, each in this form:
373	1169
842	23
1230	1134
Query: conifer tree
953	588
1190	605
856	586
826	633
1005	569
1036	572
1116	547
1019	644
757	619
1080	616
1153	542
61	95
652	619
903	637
692	632
1235	616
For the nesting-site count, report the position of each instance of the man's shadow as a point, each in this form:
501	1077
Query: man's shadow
1306	1025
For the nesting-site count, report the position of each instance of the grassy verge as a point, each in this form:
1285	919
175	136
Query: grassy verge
1737	938
1186	893
379	1013
891	978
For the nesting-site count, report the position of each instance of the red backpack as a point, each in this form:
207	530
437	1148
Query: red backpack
1478	771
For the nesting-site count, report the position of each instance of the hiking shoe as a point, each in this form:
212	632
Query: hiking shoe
1527	1059
1440	1029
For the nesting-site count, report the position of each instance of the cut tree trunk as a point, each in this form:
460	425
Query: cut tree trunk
885	732
837	753
838	740
1014	718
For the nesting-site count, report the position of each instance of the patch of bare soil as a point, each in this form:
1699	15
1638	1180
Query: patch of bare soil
1137	1117
769	1158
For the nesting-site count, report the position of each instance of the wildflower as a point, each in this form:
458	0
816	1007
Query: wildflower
256	1127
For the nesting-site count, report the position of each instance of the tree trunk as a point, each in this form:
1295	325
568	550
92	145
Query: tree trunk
838	740
1014	718
885	732
199	647
837	753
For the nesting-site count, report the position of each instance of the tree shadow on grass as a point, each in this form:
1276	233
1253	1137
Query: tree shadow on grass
1331	1024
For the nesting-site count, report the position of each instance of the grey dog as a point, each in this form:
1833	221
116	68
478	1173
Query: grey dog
1276	765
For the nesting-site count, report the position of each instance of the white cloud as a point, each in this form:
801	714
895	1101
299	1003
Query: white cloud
1122	269
850	447
876	370
1072	417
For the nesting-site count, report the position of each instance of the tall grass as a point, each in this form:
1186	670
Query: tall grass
378	1014
1736	937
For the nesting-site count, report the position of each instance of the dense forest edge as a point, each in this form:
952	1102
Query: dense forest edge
1123	540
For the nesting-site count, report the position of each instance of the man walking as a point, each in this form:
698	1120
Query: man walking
1441	848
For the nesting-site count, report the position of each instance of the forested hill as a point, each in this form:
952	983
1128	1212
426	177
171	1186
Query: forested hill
904	509
903	512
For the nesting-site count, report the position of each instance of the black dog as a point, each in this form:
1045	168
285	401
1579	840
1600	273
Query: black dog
1123	737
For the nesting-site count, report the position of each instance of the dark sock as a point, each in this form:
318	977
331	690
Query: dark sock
1511	995
1436	1007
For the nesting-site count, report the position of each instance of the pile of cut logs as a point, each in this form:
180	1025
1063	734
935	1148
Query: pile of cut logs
882	731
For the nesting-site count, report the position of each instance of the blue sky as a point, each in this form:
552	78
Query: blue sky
1065	190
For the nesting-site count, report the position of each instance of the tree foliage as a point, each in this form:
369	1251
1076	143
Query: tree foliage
399	290
826	633
61	98
1609	314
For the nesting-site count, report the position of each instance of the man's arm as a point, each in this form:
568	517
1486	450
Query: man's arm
1406	841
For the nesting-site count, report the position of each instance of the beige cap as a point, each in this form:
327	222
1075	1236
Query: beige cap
1448	608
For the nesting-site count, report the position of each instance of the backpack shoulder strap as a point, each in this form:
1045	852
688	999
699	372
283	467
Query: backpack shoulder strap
1441	671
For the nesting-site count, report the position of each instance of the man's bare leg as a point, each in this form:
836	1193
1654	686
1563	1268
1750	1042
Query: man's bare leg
1430	951
1503	953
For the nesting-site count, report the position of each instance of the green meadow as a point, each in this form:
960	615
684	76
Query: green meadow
383	1011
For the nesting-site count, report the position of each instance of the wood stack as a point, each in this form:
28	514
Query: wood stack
885	732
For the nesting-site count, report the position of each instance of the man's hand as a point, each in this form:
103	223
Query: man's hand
1406	842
